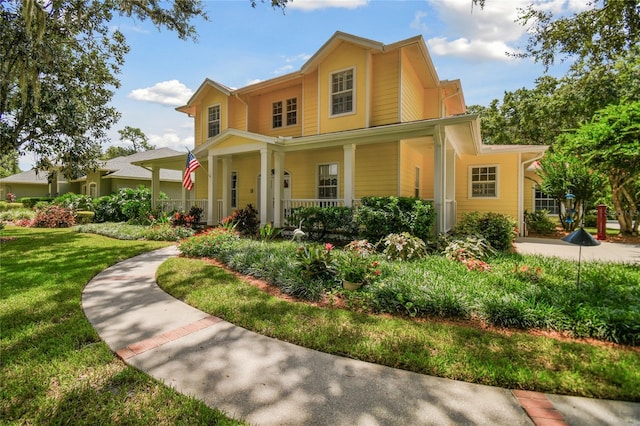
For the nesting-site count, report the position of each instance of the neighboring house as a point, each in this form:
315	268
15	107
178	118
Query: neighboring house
360	118
111	176
32	183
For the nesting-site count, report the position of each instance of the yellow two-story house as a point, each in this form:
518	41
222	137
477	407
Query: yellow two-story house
359	118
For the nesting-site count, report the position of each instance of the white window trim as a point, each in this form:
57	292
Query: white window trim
231	189
353	90
206	127
285	112
533	201
470	183
318	180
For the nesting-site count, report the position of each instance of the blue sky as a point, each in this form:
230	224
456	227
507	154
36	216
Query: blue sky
240	45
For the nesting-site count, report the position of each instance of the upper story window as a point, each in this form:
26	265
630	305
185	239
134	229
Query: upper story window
342	92
483	182
213	121
328	181
292	111
277	119
276	115
543	201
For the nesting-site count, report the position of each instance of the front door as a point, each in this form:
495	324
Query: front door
286	192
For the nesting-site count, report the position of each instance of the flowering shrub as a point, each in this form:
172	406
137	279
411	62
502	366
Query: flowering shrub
213	243
357	268
470	251
404	246
11	197
315	261
54	217
361	247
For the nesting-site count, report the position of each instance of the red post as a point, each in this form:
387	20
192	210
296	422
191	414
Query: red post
601	224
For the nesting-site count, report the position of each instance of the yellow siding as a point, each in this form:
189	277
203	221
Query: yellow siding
384	91
412	92
210	98
412	157
248	168
265	107
431	103
199	191
507	201
237	114
303	166
530	181
376	171
310	107
234	141
344	57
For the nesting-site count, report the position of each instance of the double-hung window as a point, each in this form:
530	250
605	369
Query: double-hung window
483	182
342	92
543	201
328	181
213	121
234	190
277	113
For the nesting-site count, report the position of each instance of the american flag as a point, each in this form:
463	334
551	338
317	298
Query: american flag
192	165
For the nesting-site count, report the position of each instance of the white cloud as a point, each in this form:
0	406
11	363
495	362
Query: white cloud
308	5
486	34
418	24
171	138
170	92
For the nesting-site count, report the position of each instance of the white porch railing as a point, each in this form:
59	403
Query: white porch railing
450	214
289	204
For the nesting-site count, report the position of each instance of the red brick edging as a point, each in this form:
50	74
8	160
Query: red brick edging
161	339
539	408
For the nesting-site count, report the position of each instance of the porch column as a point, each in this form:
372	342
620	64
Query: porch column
439	170
265	188
450	185
226	186
155	186
278	163
212	190
53	183
349	172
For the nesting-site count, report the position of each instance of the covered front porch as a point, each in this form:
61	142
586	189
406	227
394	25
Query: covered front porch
257	155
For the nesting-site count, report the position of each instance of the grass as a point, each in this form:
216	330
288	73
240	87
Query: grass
55	369
510	359
124	231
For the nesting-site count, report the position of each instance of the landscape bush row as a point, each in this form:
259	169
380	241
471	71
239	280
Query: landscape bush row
504	290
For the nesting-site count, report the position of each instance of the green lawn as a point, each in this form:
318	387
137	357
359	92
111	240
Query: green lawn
55	369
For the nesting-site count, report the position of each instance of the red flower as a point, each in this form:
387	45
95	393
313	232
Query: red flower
328	246
375	264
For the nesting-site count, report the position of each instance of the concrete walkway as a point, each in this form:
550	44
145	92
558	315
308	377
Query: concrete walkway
605	252
268	382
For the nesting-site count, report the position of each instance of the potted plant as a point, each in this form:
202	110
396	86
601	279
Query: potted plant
356	270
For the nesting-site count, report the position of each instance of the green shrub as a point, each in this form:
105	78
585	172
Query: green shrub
315	261
404	246
500	230
75	202
17	214
9	206
269	232
538	222
30	202
378	217
125	205
83	216
469	247
319	222
213	243
166	232
590	219
54	217
186	220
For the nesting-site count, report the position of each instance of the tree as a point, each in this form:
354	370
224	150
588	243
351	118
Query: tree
58	70
598	35
133	135
610	144
562	173
9	164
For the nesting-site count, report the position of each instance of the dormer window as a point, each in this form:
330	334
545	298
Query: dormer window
342	92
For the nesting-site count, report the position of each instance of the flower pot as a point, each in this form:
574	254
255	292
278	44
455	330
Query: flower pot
348	285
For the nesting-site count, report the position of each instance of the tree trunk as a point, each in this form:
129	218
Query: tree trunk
622	213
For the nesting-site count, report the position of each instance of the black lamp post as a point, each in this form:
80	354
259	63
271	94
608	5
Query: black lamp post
581	238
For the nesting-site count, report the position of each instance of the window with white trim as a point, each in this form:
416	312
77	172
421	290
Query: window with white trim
276	111
328	181
416	184
483	182
213	121
234	189
93	190
342	92
543	201
292	111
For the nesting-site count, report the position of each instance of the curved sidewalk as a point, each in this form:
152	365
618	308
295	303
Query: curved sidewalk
268	382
